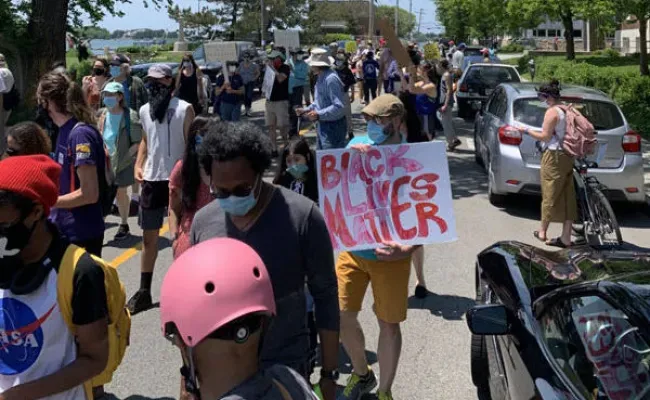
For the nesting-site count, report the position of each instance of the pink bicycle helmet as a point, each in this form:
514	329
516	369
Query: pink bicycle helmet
212	284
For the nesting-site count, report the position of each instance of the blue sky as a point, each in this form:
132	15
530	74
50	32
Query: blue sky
137	16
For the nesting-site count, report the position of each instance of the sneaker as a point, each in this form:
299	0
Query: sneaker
357	386
141	301
122	232
452	146
384	395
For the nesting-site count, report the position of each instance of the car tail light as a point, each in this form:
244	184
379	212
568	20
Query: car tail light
464	88
632	142
509	135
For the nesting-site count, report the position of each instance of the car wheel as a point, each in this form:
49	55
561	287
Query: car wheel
497	200
479	364
477	151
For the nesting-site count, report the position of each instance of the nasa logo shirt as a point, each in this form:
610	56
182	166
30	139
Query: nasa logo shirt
34	339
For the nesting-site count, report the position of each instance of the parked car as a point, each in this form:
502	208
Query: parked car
512	160
477	83
474	59
571	324
140	70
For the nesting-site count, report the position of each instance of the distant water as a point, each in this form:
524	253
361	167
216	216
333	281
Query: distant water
97	45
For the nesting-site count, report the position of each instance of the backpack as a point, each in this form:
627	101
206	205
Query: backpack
11	99
580	136
119	318
107	186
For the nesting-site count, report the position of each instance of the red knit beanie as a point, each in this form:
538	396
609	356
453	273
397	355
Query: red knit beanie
34	177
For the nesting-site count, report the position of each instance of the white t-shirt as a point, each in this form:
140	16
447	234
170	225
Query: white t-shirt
6	80
458	59
560	131
165	141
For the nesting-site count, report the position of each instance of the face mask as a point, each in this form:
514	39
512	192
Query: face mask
239	206
376	132
115	71
110	102
13	240
99	71
298	171
232	70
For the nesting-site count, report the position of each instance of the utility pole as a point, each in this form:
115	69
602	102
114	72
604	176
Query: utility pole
396	17
410	13
420	20
371	21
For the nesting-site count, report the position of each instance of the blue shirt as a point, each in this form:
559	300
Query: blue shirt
370	253
328	97
299	74
111	131
127	92
76	148
370	68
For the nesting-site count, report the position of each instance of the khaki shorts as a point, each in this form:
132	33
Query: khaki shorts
389	281
277	113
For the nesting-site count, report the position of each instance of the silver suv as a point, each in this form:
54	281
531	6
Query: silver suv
512	160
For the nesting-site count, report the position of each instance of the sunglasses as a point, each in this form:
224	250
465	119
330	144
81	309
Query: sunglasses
238	191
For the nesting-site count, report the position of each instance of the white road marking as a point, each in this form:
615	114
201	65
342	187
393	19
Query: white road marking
470	143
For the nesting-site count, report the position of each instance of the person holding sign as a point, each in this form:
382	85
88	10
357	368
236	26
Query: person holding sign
386	268
328	107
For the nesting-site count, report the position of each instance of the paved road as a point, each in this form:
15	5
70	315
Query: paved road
435	359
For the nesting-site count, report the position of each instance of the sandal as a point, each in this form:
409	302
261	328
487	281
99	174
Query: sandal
539	237
557	242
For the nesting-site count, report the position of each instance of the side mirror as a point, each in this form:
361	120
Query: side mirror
491	319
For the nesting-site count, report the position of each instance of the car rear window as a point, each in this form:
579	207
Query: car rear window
604	116
472	52
490	76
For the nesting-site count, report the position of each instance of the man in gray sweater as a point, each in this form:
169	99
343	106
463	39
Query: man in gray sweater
288	232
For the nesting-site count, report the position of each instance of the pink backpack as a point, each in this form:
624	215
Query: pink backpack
580	136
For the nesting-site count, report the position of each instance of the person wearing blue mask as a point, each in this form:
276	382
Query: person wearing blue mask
122	132
387	269
288	232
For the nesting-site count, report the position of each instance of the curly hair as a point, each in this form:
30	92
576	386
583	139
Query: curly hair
66	95
31	138
551	89
226	141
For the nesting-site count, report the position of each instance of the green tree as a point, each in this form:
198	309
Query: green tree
38	28
454	15
638	11
94	32
406	21
486	17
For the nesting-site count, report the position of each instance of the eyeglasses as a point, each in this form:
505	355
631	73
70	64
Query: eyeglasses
238	191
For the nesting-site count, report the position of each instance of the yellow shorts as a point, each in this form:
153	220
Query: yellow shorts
389	281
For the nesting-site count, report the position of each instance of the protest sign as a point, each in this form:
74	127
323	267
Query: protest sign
267	83
394	44
399	193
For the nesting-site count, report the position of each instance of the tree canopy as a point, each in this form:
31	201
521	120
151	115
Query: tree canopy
406	22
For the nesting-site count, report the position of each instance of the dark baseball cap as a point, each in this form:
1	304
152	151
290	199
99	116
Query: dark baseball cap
119	59
158	71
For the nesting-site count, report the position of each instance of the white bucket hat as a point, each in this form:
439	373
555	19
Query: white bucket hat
320	58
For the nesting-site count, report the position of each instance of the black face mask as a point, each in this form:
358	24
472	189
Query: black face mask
13	239
159	98
99	71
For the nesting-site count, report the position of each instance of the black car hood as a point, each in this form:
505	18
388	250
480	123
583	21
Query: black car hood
528	272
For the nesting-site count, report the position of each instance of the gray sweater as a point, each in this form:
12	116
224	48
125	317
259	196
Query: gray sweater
293	241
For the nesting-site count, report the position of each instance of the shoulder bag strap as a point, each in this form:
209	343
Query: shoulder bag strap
283	390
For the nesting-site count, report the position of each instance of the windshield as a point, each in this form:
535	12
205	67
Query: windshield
490	76
472	52
604	116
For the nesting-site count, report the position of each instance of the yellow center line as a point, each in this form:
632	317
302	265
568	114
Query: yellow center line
127	254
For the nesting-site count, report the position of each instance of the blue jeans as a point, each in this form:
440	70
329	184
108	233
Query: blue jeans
332	134
230	111
248	94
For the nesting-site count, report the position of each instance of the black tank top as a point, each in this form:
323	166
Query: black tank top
189	90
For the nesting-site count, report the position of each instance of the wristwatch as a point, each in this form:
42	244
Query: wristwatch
331	375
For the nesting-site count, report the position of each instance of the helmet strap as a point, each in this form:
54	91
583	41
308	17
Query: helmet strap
191	382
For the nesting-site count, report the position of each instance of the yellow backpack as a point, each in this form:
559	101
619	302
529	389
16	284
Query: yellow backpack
119	323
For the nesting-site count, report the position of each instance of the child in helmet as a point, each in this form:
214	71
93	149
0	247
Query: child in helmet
217	315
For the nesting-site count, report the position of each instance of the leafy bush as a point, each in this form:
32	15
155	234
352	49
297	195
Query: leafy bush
630	90
336	37
80	70
431	51
512	48
130	49
350	46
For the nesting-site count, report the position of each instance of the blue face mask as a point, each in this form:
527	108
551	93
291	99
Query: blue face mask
376	132
238	206
110	102
298	171
115	70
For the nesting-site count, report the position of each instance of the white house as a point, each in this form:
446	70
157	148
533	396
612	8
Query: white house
545	33
628	38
